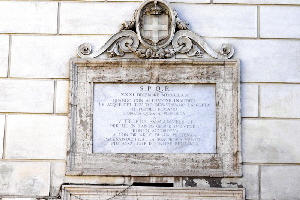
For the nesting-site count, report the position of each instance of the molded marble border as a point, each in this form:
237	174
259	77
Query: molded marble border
223	73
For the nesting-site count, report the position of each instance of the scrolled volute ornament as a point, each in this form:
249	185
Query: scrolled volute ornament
121	46
115	50
123	41
85	49
227	50
187	39
184	44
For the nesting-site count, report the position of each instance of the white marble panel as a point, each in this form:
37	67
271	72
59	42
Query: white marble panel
4	49
24	179
62	97
177	1
249	99
271	140
280	100
154	118
271	2
189	1
280	182
265	60
29	96
28	17
279	21
95	18
36	137
47	56
219	20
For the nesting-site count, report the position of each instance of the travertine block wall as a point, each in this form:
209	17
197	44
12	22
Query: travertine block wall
38	38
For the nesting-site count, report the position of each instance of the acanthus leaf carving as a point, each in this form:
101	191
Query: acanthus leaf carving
150	53
157	27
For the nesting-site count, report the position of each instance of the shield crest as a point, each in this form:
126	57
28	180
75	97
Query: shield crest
155	27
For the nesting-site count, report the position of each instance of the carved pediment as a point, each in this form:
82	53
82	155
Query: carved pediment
156	32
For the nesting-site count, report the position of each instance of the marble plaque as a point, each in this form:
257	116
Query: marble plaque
154	118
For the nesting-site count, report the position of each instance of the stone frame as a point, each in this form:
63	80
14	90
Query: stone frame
72	192
223	73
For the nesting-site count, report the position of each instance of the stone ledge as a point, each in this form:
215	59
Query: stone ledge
157	193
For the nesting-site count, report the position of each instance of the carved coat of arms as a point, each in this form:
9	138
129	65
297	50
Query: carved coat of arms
157	26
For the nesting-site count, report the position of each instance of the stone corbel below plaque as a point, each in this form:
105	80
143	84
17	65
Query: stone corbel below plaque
189	109
162	34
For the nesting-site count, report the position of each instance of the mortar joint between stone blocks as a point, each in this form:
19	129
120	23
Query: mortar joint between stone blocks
51	178
258	102
58	17
259	182
9	56
4	137
54	97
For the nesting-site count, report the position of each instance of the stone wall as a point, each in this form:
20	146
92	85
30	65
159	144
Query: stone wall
38	38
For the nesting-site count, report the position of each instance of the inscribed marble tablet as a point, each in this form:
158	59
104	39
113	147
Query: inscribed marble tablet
154	118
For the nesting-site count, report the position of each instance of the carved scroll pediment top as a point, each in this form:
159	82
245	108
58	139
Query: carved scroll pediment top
162	34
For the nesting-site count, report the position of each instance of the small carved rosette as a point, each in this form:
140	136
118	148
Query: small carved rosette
162	34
